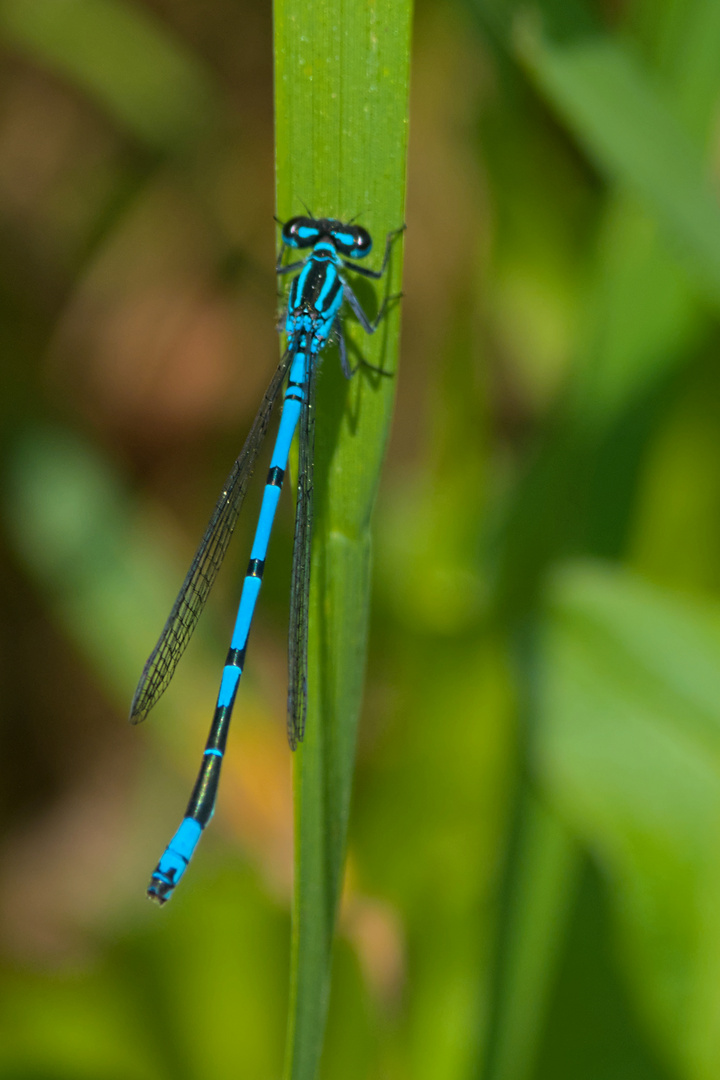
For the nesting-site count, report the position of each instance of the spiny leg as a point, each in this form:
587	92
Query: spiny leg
347	369
368	326
290	266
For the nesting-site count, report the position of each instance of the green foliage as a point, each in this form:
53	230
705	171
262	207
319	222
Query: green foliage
628	745
530	853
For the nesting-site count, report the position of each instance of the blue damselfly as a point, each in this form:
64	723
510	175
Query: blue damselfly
313	316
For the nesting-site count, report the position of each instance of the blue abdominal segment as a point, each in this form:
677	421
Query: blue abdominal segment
174	861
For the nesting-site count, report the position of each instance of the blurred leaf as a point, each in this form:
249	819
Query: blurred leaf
562	18
534	909
629	750
198	992
682	40
341	91
623	120
432	807
70	1025
106	576
592	1030
206	984
676	527
121	56
647	317
644	318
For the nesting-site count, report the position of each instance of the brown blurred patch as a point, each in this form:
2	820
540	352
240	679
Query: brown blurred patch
375	929
149	341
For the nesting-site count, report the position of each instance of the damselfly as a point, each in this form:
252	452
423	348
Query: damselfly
313	316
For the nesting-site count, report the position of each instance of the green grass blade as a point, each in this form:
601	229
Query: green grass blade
341	87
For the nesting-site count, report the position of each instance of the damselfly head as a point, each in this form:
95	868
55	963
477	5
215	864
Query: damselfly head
350	240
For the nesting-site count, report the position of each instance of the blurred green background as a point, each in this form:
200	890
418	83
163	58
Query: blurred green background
533	881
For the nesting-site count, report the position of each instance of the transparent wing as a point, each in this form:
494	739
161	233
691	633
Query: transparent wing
300	586
188	606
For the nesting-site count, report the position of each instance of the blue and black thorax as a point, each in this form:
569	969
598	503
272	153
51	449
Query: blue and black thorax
316	294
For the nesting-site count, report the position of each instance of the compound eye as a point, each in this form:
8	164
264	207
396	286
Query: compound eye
300	232
363	241
352	240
